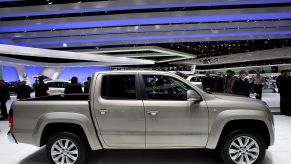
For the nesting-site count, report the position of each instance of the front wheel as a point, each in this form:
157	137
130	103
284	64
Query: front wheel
66	148
243	147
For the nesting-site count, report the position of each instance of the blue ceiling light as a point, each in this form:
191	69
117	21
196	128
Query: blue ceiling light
146	31
182	36
136	7
147	21
6	41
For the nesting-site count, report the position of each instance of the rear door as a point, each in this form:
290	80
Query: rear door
119	110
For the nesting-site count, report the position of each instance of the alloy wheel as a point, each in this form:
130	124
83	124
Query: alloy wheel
244	150
64	151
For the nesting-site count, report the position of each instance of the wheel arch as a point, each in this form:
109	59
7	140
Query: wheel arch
228	121
76	123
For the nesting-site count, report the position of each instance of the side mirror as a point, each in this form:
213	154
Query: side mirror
193	96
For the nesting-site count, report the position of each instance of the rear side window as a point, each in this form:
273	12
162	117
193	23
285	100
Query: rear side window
118	87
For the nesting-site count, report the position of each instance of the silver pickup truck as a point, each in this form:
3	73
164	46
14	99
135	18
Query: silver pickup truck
143	110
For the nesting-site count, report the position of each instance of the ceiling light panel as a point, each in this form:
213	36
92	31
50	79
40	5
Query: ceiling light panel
148	19
120	5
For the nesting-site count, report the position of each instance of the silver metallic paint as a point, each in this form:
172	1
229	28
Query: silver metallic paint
169	128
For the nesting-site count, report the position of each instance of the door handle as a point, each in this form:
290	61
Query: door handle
153	112
103	111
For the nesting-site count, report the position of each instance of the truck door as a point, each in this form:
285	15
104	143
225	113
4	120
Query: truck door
119	111
171	120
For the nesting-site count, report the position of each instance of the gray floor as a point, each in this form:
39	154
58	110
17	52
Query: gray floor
280	153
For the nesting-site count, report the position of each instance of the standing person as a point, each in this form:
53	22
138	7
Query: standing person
207	83
229	81
219	85
258	83
87	85
23	91
34	84
41	88
282	84
74	87
4	96
288	109
242	85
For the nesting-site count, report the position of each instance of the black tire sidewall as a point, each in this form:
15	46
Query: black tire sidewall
72	137
226	143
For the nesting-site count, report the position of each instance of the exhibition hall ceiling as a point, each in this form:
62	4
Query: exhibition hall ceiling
160	30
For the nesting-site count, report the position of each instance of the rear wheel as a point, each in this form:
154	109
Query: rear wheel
66	148
243	147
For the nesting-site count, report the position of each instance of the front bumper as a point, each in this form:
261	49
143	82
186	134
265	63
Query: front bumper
11	138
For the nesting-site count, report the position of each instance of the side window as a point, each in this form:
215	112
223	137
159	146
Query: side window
118	87
165	88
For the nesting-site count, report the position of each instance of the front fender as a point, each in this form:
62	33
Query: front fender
66	117
230	115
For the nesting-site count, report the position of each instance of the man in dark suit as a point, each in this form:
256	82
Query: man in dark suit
242	85
87	85
4	96
283	84
23	91
74	87
41	88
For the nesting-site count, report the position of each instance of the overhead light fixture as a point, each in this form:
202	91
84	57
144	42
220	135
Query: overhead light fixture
65	45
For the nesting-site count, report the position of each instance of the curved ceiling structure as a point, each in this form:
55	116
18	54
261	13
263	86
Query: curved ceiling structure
128	24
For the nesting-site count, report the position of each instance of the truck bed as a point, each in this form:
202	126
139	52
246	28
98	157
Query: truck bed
32	115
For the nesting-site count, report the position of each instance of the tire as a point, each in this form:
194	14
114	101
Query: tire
251	147
72	149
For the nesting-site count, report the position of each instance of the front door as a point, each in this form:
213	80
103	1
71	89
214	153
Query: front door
171	120
120	114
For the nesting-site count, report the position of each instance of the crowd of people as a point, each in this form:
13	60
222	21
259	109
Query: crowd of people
244	87
233	85
23	91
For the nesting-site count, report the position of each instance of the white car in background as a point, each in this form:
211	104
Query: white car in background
196	80
56	86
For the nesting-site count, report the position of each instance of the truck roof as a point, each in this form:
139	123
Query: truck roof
135	71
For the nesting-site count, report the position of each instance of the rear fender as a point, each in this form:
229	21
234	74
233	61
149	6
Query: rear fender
66	117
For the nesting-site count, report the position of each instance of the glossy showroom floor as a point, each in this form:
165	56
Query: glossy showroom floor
277	154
